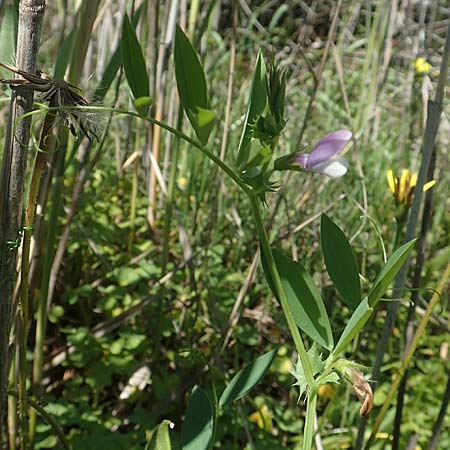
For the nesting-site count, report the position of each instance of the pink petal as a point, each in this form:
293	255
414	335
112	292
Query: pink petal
328	146
301	159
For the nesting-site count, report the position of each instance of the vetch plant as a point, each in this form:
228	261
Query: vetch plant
290	283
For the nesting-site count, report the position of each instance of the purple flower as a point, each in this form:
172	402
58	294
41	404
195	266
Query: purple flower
324	158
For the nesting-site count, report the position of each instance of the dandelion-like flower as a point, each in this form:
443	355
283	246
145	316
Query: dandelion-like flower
323	159
62	95
403	187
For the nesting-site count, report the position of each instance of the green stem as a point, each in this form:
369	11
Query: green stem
216	159
41	160
308	434
266	253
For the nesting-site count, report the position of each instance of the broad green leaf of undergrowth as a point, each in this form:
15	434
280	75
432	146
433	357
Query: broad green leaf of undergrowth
247	378
8	37
134	66
340	261
357	321
197	430
192	89
305	301
389	272
160	439
256	105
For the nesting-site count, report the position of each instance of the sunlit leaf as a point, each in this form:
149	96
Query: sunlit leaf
113	64
359	318
340	261
133	61
389	272
192	89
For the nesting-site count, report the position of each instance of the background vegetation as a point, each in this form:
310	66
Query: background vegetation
152	271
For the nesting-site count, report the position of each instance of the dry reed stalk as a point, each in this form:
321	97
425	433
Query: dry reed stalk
13	177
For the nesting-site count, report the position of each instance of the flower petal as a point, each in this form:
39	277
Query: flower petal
301	159
334	167
328	146
428	185
391	181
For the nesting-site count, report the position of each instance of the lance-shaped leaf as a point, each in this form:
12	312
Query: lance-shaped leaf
247	378
64	54
359	318
305	301
192	89
134	66
340	261
113	65
160	439
197	430
389	271
256	105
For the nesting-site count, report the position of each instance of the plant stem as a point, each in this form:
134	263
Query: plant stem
308	435
12	178
41	160
266	253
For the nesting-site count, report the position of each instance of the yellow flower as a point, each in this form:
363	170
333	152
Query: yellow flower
182	183
262	418
403	187
325	392
421	66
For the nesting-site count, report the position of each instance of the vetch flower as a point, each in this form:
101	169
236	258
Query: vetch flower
402	187
323	159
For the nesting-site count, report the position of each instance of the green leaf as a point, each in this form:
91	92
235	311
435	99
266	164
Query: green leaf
317	365
192	89
256	105
340	261
142	105
359	318
160	438
247	378
64	55
8	38
389	271
197	430
113	65
306	303
133	61
204	121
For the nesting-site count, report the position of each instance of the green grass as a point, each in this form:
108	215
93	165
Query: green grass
101	278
